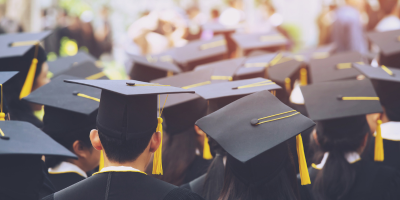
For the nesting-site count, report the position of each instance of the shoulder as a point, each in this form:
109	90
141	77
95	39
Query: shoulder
50	197
61	181
182	194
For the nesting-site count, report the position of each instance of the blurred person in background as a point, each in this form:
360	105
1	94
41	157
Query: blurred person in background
8	25
103	31
196	20
391	19
214	13
233	15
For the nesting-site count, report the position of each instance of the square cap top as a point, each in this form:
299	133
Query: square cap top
387	41
186	80
246	127
381	73
218	28
235	88
23	138
160	62
284	69
259	40
131	87
319	52
5	76
335	67
339	99
201	49
63	64
87	70
223	70
256	64
65	96
17	44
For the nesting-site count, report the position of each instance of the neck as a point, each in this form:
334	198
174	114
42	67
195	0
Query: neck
384	117
78	163
139	163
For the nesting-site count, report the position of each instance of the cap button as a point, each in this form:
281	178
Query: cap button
340	97
254	122
130	83
4	137
75	93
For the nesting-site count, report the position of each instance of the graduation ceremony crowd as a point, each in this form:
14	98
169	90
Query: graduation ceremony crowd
228	115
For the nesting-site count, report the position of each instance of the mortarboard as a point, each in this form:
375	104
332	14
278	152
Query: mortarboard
335	67
381	73
223	70
338	99
17	45
128	109
4	77
271	41
219	29
152	67
319	52
200	52
270	123
388	43
255	66
23	138
63	64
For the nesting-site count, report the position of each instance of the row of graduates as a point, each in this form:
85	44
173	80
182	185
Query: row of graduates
248	129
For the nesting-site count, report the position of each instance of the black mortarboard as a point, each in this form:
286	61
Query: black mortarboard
251	126
319	52
64	64
388	43
152	67
23	138
287	68
381	73
335	67
271	41
182	110
17	44
338	99
223	70
200	52
255	66
4	77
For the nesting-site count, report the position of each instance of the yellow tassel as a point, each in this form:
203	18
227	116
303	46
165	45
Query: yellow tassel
379	154
2	114
157	160
206	149
101	163
288	85
304	176
27	88
303	76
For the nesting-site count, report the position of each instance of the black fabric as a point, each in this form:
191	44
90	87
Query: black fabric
48	187
123	185
197	168
343	127
84	70
372	182
21	110
64	180
391	150
63	64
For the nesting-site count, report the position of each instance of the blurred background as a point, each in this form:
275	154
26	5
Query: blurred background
111	29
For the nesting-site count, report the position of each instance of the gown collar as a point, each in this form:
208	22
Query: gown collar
119	169
351	157
390	131
67	167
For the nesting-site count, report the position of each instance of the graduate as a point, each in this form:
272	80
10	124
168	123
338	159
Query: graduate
22	52
387	85
68	119
21	148
129	131
253	130
341	135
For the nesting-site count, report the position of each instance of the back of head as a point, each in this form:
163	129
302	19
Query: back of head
389	96
338	137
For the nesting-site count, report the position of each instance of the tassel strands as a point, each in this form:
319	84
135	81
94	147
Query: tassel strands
27	88
379	154
157	160
101	162
206	149
2	114
304	176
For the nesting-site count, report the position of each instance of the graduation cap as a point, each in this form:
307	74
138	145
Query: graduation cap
64	64
388	43
4	77
23	138
152	67
251	130
219	29
338	99
271	41
16	45
200	52
319	52
69	109
128	109
335	67
255	66
223	70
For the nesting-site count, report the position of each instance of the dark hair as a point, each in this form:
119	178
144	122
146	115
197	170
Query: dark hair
122	151
387	5
283	186
339	136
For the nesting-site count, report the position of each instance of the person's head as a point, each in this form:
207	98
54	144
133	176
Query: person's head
214	13
388	6
338	137
389	96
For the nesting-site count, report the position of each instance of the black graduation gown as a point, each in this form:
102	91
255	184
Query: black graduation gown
123	186
373	182
391	150
196	185
198	167
64	180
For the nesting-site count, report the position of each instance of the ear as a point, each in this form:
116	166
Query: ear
79	149
315	137
94	138
155	142
199	131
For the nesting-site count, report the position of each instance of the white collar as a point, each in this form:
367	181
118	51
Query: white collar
390	131
118	169
67	167
351	157
296	96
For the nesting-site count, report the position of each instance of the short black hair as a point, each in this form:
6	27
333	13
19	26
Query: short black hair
122	151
